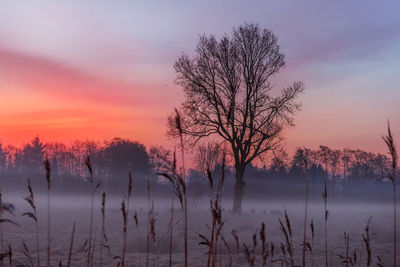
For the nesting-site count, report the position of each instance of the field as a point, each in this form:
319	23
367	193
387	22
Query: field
67	209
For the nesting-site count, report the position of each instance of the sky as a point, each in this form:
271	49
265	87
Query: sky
96	70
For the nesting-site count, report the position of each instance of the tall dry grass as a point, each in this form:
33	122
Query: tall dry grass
103	228
48	181
179	128
171	230
93	189
125	215
31	201
389	140
216	213
366	236
287	247
179	187
326	213
124	232
71	245
305	225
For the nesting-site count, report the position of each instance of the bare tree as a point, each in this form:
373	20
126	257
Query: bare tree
208	156
228	93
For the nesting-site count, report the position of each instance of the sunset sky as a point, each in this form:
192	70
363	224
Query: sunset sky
95	70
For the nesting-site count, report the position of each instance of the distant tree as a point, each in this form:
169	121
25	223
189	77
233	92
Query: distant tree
3	158
61	159
207	157
33	156
228	93
160	158
325	156
279	163
302	158
346	159
334	161
122	155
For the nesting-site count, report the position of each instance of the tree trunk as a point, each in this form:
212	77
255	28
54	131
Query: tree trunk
239	189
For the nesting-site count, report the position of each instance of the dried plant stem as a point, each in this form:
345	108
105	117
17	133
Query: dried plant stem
71	245
389	140
264	253
367	242
124	231
325	197
148	223
235	236
305	225
90	228
48	229
171	229
185	223
346	241
394	225
211	249
125	214
312	242
88	164
103	230
178	125
47	167
286	229
10	254
1	227
31	201
37	244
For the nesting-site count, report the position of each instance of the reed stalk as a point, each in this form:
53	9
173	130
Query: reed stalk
305	224
124	231
48	180
325	197
103	230
71	245
389	140
31	201
171	229
88	164
1	226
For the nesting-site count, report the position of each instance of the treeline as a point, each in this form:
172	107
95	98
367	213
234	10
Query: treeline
344	165
324	163
110	159
349	173
113	159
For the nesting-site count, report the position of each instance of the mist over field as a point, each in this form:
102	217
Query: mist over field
268	194
346	214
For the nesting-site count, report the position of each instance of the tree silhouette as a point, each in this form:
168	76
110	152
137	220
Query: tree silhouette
3	158
207	157
33	155
228	93
121	156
